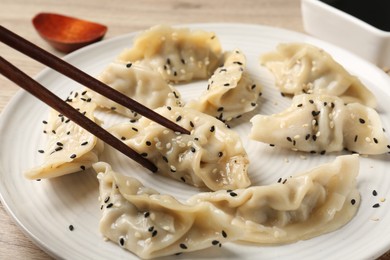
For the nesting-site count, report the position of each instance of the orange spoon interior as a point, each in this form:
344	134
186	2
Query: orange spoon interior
67	34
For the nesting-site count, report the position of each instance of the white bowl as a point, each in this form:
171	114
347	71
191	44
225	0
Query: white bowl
333	25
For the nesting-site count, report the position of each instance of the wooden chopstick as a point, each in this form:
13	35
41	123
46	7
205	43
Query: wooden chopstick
36	89
16	42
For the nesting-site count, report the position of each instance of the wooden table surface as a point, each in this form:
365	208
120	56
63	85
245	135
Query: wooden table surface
121	17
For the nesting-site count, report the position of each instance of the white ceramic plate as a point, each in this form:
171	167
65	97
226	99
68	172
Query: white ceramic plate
45	209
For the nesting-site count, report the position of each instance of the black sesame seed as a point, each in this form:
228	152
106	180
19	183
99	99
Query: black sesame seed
375	140
353	201
146	214
73	156
128	65
311	101
182	179
151	229
220	109
183	246
109	205
220	154
191	124
175	73
312	152
183	61
272	145
237	62
289	139
144	154
376	205
168	61
178	118
41	151
280	180
38	179
82	167
315	113
356	138
165	159
154	233
325	104
215	242
135	129
224	234
53	131
226	84
113	108
323	152
282	94
106	199
122	241
374	193
44	121
148	143
212	128
84	92
71	227
253	86
123	138
233	194
362	121
84	143
314	137
299	105
193	149
307	137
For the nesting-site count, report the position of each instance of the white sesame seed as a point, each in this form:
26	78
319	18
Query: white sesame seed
297	137
368	139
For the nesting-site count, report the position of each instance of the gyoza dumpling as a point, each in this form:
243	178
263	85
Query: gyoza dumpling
212	156
309	204
177	53
150	224
139	83
230	91
322	123
69	147
302	68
